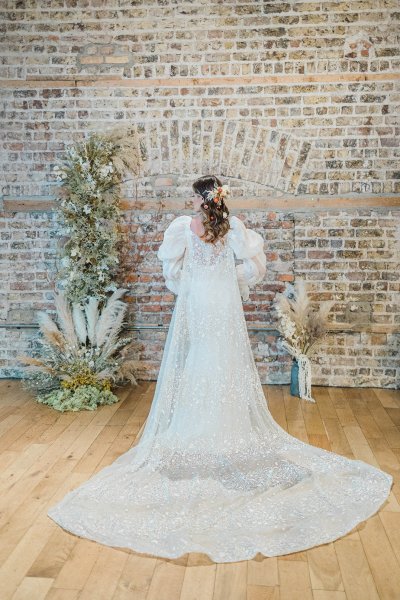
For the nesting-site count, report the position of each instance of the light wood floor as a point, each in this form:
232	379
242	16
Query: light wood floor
44	454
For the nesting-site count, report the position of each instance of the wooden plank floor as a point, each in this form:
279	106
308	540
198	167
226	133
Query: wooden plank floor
44	453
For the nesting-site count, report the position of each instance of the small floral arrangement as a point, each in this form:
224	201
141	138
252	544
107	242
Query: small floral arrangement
90	174
79	359
302	329
217	194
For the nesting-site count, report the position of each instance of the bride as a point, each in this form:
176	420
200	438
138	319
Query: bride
213	472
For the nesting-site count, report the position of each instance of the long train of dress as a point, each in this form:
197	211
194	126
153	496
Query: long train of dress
213	472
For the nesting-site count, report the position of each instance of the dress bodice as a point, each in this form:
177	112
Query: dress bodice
207	256
183	248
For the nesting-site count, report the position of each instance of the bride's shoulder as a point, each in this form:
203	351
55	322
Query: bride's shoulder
236	224
182	219
234	220
174	238
179	224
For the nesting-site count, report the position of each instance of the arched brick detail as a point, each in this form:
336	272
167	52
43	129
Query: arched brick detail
259	160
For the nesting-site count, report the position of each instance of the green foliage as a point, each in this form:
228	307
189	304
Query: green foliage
91	174
90	216
85	397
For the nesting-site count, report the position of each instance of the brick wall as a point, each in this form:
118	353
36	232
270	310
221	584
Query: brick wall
347	256
295	104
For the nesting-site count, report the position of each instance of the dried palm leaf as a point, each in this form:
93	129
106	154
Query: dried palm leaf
50	330
282	301
65	318
112	339
132	346
127	156
92	315
29	360
44	319
300	304
79	320
54	338
109	316
105	374
127	371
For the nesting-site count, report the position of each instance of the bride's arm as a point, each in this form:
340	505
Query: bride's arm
247	245
171	252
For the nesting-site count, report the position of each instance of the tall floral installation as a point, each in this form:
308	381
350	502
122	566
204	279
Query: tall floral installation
302	331
81	353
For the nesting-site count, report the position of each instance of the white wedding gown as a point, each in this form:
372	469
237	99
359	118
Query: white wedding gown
213	472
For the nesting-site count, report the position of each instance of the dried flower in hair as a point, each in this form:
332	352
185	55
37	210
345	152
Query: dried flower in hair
218	193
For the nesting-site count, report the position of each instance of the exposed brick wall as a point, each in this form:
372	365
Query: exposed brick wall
294	104
295	139
323	75
349	257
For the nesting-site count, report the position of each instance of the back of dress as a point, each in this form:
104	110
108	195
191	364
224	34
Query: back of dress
207	362
182	248
213	472
210	292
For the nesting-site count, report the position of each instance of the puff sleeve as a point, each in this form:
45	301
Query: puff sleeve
171	252
247	245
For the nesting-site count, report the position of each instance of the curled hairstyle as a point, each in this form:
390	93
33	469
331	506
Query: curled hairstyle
216	225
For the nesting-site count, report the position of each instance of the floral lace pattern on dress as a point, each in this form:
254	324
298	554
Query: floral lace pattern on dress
213	472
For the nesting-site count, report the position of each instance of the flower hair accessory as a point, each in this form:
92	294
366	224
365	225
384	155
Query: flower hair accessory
218	193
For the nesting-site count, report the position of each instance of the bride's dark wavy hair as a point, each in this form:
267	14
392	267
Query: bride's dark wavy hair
215	224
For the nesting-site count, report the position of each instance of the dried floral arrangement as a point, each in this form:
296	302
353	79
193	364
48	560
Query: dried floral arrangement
81	357
91	173
302	329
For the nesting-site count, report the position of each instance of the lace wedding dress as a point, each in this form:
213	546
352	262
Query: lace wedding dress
213	472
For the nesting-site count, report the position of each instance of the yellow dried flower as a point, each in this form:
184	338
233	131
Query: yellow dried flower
86	379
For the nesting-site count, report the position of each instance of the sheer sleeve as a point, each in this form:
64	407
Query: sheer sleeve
171	252
247	245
